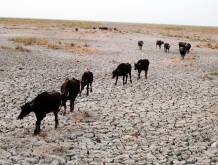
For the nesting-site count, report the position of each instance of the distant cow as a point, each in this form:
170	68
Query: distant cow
123	70
140	44
103	28
182	44
187	46
141	65
159	43
87	79
167	47
69	91
44	103
182	51
76	29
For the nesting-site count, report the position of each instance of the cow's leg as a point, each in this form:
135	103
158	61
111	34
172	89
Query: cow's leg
80	92
65	107
38	122
139	72
87	88
90	87
72	105
130	76
56	118
124	80
146	74
116	80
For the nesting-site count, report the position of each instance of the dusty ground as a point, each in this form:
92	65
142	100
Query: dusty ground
170	118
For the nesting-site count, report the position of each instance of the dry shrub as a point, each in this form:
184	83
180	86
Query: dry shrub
208	45
53	46
19	48
72	47
35	41
22	49
30	41
79	48
178	59
5	47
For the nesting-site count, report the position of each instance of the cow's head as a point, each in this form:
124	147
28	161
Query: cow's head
25	110
114	73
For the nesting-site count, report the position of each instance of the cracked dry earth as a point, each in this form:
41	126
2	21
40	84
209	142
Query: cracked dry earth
170	118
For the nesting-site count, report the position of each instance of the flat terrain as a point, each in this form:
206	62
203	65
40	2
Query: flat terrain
170	118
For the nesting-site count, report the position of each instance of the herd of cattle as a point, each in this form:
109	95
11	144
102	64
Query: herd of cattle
184	47
47	102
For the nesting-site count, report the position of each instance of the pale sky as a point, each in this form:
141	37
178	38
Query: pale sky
187	12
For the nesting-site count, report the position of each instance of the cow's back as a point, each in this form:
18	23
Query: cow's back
47	101
74	87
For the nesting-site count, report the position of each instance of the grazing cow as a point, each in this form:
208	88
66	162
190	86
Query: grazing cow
167	47
103	28
141	65
123	70
182	51
69	91
87	79
159	43
140	44
182	44
187	46
76	29
44	103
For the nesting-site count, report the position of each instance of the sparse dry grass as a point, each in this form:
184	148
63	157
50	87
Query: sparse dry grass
46	22
22	49
210	45
79	48
18	48
71	47
30	41
5	47
178	59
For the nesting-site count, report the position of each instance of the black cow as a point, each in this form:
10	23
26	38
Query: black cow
140	44
185	45
87	79
188	47
182	51
69	91
159	43
103	28
44	103
182	44
141	65
123	70
167	47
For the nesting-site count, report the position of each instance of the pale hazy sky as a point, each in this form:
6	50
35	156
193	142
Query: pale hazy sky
188	12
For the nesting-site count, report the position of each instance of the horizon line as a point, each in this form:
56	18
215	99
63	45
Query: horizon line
106	21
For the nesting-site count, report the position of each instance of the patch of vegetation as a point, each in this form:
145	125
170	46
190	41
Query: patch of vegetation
29	41
22	49
71	47
211	45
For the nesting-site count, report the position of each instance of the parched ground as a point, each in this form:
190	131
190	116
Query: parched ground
170	118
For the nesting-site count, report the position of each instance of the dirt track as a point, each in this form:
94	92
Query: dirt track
169	118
